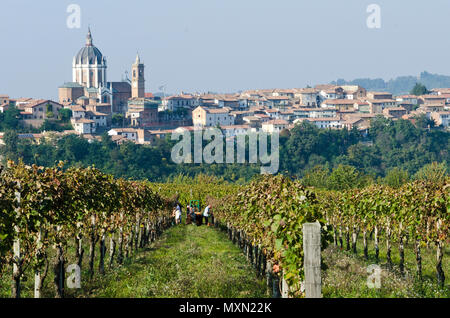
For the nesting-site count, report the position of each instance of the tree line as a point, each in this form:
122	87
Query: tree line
399	85
396	150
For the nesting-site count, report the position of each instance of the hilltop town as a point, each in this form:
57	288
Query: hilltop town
89	105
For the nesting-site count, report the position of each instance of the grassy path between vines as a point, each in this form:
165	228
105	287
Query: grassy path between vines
187	261
190	261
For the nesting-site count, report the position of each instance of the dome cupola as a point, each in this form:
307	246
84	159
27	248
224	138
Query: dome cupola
89	54
89	65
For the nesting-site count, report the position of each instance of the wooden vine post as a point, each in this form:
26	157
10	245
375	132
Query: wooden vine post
311	248
284	287
17	266
37	274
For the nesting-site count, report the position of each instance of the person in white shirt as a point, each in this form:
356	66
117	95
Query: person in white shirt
206	214
178	214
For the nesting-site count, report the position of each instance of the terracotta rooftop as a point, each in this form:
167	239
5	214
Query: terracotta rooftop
29	102
307	90
131	130
118	137
77	108
378	93
97	113
83	121
339	101
381	101
325	86
183	96
276	122
235	127
216	110
277	98
432	97
323	119
394	108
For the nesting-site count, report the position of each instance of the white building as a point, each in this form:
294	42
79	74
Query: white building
83	125
407	98
78	111
326	122
376	106
247	102
275	125
331	92
307	96
98	118
129	133
181	101
207	117
234	130
315	112
273	113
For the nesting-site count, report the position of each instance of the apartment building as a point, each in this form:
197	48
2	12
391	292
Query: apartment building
207	117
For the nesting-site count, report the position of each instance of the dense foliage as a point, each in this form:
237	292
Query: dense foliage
418	210
419	89
390	144
270	212
401	84
10	120
44	207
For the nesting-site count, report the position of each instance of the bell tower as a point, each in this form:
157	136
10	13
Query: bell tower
137	79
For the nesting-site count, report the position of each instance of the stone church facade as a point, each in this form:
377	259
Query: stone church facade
89	85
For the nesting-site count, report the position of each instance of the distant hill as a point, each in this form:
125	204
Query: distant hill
399	85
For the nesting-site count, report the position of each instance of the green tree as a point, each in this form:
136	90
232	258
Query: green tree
396	177
50	125
65	114
11	118
432	172
345	177
423	122
419	89
107	142
11	139
316	177
118	120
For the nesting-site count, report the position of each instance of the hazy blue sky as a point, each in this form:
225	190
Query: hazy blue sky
222	45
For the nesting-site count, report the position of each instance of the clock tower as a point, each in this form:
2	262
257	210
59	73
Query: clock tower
137	79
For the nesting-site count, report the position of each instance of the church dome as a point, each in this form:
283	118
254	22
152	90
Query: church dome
89	54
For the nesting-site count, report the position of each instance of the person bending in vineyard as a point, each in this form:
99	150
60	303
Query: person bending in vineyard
198	217
211	217
193	215
188	214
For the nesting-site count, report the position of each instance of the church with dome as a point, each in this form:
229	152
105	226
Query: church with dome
89	66
90	87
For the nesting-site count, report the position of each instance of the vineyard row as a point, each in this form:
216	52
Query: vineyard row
43	208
